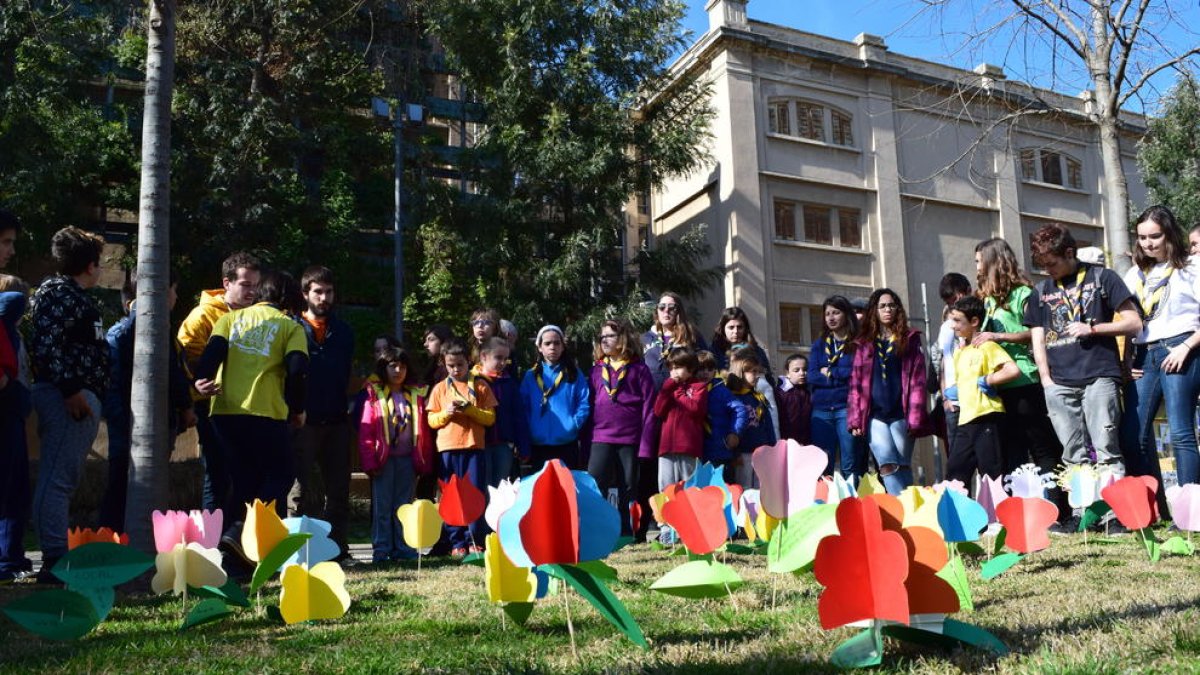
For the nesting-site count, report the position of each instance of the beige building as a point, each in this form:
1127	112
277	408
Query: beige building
841	167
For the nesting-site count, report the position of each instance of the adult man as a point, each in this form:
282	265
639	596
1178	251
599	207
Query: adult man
70	372
239	285
14	408
1074	330
324	440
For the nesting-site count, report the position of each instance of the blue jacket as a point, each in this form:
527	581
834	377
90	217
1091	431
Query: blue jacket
829	393
328	372
512	424
565	412
726	415
758	431
117	399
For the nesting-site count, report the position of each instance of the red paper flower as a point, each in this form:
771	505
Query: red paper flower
635	515
698	515
1132	500
1026	520
863	568
462	503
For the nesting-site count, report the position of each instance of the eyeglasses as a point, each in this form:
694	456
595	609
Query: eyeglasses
605	336
481	322
888	305
664	307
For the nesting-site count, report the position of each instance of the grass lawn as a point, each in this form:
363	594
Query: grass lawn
1069	609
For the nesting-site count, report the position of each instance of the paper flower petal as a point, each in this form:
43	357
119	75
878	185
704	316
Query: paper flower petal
989	492
927	592
870	485
1133	501
705	475
204	527
262	531
500	499
309	595
170	528
187	565
1185	506
697	514
505	581
1026	520
1029	481
559	517
920	507
421	522
319	548
862	568
461	503
787	476
960	517
79	536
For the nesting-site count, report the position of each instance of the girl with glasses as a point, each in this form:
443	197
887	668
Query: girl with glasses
671	330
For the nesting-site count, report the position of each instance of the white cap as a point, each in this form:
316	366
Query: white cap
1091	255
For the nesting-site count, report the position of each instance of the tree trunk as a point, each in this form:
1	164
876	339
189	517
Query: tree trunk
1116	194
152	339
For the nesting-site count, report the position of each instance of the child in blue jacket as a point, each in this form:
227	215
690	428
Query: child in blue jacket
744	371
556	399
727	417
510	433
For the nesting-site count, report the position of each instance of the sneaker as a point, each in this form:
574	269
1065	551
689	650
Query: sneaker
403	556
458	552
345	560
1065	527
234	547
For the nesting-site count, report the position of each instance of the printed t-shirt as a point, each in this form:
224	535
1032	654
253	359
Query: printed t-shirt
253	374
970	364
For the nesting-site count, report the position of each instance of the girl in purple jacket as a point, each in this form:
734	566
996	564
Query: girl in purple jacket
620	429
887	388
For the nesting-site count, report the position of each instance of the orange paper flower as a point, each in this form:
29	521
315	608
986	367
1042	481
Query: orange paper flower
79	536
1133	501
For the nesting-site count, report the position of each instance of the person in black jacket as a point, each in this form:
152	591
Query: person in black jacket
324	441
70	372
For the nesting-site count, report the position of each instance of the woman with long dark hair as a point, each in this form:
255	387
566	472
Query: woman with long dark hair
732	333
829	368
671	329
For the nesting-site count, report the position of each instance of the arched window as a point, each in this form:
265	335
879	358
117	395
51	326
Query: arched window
810	120
1043	165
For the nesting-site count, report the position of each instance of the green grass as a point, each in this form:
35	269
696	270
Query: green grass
1069	609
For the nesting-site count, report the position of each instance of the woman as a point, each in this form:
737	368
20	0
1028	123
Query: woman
671	329
619	432
733	333
887	388
829	366
1005	290
1166	284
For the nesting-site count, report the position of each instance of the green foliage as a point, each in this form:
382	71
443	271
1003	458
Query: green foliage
1169	154
679	265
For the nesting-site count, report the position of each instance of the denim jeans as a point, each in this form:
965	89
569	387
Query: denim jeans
469	464
1179	391
391	488
1096	408
830	433
891	444
499	464
64	446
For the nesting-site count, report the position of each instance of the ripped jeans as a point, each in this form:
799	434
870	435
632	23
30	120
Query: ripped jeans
1094	408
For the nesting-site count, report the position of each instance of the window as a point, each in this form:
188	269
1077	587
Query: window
828	225
643	202
814	121
800	325
1048	166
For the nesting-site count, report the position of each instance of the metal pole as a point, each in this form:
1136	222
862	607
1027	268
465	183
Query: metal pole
398	218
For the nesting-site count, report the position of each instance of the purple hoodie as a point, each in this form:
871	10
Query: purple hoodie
628	418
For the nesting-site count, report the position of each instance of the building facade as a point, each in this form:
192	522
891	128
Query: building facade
840	167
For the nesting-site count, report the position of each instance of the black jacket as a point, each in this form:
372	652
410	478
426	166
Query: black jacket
67	346
328	372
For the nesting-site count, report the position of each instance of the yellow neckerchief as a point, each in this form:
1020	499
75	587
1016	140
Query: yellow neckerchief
470	397
392	418
664	343
612	378
760	407
884	349
477	371
834	348
1074	297
537	376
1149	297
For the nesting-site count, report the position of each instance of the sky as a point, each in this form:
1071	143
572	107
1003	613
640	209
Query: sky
945	37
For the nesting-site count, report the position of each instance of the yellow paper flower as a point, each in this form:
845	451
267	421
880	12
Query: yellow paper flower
505	581
422	523
870	485
766	524
308	595
921	507
187	565
263	530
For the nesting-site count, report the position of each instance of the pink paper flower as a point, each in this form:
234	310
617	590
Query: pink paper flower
787	476
1185	506
186	527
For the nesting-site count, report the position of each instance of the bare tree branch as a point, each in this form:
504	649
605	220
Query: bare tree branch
1077	47
1135	87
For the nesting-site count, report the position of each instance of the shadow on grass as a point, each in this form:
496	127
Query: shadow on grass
1029	638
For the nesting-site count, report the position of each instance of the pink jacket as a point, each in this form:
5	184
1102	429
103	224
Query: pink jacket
372	435
912	369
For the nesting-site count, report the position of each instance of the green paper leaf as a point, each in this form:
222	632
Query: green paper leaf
270	564
999	565
998	545
861	651
101	597
206	611
956	576
1093	514
57	614
974	636
1146	535
970	548
475	559
680	550
742	549
603	600
518	611
1178	546
793	544
699	579
231	593
621	543
657	546
101	564
599	569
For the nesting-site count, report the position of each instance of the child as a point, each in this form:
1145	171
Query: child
510	433
485	325
742	379
978	372
682	405
393	436
795	403
952	288
556	401
727	417
460	407
436	336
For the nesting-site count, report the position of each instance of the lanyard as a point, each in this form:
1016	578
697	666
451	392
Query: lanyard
884	350
612	379
1149	297
1073	298
537	375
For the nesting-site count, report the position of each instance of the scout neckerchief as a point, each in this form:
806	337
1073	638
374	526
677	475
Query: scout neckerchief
760	406
537	375
1149	296
708	388
396	420
665	342
834	348
1073	298
612	378
884	348
470	397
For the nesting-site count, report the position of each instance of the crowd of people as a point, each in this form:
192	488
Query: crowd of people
1069	370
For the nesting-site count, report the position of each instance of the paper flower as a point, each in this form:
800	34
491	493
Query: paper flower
1132	500
927	592
421	522
187	565
262	531
462	503
707	475
1082	483
862	568
989	492
921	507
960	517
79	536
309	595
1026	520
500	499
505	581
1185	506
891	511
1029	481
698	515
787	476
954	485
560	517
870	485
747	513
318	548
635	516
186	527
